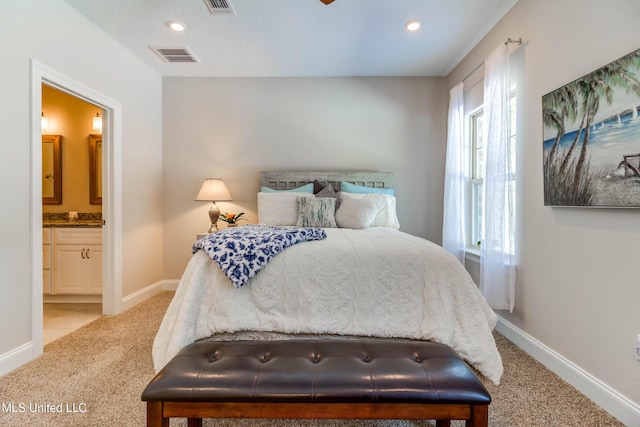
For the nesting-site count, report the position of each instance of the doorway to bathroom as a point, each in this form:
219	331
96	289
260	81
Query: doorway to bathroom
72	275
104	265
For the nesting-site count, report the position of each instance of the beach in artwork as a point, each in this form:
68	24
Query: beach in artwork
592	138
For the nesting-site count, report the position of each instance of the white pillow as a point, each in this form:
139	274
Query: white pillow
357	213
279	208
386	216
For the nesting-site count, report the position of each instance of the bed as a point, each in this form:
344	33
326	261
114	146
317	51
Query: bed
373	281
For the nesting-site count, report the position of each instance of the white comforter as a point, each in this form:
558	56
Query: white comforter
376	282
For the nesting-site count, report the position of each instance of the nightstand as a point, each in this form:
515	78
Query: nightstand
201	235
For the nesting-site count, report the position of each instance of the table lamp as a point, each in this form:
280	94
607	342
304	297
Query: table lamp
213	190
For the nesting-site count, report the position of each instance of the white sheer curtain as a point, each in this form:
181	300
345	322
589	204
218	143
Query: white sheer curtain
497	260
455	179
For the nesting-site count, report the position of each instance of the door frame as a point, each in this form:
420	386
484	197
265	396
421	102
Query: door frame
112	190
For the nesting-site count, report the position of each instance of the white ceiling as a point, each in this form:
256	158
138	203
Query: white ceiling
301	37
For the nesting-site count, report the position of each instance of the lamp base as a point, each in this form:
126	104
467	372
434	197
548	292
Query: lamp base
214	214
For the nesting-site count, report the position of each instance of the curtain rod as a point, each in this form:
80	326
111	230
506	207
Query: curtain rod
509	40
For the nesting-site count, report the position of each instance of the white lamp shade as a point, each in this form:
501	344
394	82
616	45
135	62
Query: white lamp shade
212	190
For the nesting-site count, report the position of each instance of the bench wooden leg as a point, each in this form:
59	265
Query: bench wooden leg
479	416
194	422
443	423
154	415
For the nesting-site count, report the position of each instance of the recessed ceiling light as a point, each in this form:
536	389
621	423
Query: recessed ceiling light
176	26
412	25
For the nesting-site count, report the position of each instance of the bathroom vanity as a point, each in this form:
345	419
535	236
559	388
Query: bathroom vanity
72	257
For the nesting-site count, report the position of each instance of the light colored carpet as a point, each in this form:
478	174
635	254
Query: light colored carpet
101	369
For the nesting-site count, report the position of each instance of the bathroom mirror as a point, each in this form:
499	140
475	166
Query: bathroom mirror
95	169
51	170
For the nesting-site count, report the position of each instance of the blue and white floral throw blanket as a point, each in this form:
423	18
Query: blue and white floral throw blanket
242	251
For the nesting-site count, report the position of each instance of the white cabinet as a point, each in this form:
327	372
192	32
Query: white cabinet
46	260
77	261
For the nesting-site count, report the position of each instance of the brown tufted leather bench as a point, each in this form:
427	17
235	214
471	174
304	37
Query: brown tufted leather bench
363	378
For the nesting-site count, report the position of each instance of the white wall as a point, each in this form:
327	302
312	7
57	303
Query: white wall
578	290
55	35
232	128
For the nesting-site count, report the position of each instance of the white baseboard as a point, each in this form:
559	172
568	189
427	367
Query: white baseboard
25	353
171	285
55	299
604	396
17	357
146	293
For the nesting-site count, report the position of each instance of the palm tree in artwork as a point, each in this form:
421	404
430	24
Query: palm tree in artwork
558	107
567	157
599	86
594	88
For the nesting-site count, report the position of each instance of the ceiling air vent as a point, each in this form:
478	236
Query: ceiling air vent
175	54
219	6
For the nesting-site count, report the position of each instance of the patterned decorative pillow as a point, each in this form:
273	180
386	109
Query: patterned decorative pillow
328	191
317	186
357	213
316	212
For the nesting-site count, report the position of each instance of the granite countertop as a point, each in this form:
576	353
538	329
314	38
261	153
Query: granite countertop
68	223
84	220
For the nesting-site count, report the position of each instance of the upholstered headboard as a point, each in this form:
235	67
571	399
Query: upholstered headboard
286	180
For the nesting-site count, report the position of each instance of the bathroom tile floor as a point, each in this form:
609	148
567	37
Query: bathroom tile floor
60	319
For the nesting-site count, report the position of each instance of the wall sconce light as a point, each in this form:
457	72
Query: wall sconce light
213	189
97	123
44	122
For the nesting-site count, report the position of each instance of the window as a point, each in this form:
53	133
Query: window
477	165
477	178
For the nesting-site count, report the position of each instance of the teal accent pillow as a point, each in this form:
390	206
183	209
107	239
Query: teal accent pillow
304	189
347	187
316	212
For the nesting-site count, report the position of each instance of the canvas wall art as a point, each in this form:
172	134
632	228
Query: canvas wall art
591	138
